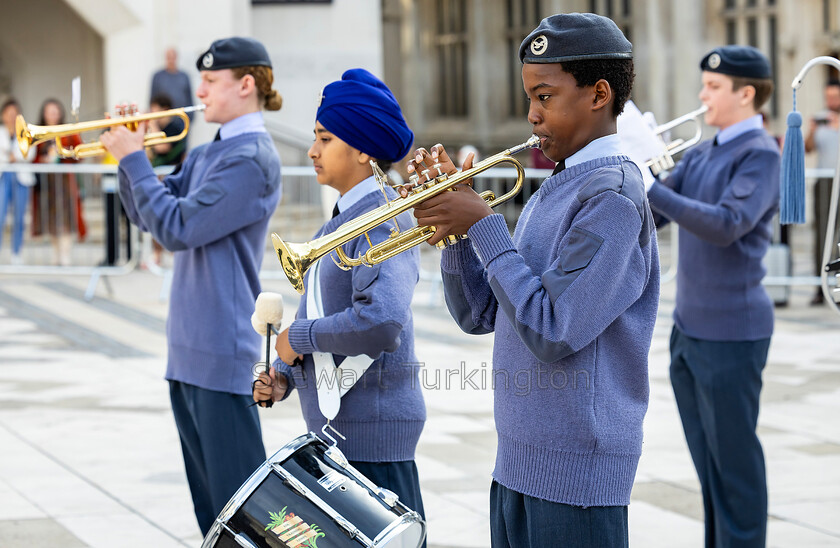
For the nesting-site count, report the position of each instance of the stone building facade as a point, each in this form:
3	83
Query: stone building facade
454	62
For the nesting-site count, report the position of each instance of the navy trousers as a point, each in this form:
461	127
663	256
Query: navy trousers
717	387
221	442
399	477
521	521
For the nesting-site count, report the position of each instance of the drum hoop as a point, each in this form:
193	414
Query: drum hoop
391	531
245	490
293	447
398	526
235	503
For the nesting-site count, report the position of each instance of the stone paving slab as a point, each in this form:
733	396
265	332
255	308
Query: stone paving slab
90	454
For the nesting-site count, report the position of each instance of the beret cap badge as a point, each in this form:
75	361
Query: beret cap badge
539	45
714	60
207	60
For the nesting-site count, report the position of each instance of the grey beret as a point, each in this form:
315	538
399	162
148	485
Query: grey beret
743	61
575	37
233	52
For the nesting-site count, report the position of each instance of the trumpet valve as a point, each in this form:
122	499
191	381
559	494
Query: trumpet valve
450	240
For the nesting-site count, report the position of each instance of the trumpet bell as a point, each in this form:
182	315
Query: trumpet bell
292	262
23	135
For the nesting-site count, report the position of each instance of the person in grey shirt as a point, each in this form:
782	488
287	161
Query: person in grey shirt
824	138
173	83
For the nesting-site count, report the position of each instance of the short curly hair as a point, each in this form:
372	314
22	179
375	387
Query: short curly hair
619	73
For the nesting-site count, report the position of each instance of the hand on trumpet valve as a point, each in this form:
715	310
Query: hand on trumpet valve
450	213
431	164
120	141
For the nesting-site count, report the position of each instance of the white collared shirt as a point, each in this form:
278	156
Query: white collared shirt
357	192
247	123
733	131
608	145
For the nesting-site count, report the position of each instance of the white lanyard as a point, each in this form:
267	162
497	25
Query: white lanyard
331	382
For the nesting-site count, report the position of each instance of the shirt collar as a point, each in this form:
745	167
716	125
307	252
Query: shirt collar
247	123
609	145
356	193
735	130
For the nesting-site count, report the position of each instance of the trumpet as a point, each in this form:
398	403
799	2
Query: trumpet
30	134
666	161
295	259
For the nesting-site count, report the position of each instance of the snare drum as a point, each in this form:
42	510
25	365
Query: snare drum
307	496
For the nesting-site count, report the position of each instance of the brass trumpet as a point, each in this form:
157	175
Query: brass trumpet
30	134
666	161
296	259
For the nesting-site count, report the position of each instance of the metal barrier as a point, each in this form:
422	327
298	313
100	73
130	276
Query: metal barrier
112	247
73	224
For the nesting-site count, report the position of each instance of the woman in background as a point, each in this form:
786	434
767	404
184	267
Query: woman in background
56	203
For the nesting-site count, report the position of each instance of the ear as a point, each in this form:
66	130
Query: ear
247	85
747	94
602	94
364	158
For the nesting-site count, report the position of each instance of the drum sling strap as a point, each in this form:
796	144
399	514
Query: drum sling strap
331	382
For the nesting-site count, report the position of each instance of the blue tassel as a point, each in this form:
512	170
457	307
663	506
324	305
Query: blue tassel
792	197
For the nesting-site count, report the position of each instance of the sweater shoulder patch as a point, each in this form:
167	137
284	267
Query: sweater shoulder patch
625	180
600	181
247	149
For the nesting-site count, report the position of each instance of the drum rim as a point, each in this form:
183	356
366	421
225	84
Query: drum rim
389	533
396	527
245	490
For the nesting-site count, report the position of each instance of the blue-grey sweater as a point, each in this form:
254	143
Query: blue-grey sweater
572	298
723	198
367	310
213	214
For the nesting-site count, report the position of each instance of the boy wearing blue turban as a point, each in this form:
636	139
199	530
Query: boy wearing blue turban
362	316
571	297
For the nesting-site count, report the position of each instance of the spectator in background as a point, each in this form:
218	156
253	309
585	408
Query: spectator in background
166	154
824	138
56	202
173	83
14	187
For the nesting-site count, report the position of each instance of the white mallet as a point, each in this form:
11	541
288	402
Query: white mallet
267	317
268	310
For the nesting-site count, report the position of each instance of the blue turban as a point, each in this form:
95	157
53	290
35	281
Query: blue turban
360	110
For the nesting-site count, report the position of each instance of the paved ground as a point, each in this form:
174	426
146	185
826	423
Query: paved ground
90	455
